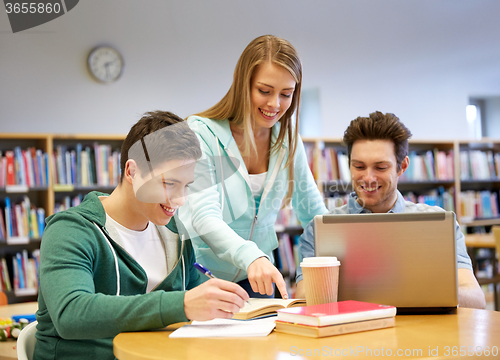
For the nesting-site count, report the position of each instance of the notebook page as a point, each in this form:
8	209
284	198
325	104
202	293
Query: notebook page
226	328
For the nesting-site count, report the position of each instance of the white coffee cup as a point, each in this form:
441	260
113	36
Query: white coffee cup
321	279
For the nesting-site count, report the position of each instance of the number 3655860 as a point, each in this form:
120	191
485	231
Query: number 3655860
32	8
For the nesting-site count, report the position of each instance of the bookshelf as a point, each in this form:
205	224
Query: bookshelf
435	172
478	181
427	183
45	177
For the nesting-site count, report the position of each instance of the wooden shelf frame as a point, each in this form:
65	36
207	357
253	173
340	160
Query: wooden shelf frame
421	145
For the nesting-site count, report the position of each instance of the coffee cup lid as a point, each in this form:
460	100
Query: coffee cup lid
319	261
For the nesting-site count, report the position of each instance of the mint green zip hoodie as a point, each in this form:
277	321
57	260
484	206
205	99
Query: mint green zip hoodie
79	311
222	218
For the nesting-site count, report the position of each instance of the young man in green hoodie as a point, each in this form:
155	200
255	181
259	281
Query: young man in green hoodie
118	262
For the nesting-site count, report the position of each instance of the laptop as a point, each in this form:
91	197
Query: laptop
407	260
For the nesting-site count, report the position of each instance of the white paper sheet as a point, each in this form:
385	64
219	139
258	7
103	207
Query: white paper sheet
226	328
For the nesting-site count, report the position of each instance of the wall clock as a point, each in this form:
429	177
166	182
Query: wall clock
105	64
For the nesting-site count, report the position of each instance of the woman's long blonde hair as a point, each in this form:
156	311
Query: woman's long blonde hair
236	105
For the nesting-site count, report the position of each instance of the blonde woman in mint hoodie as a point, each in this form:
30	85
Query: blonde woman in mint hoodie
261	166
117	262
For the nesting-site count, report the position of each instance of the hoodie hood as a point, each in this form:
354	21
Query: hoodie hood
87	209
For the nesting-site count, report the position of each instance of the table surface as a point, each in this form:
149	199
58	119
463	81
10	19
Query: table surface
8	349
414	336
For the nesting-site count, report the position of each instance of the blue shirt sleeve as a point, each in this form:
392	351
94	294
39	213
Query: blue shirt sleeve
463	259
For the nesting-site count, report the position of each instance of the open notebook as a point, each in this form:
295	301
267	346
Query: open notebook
257	307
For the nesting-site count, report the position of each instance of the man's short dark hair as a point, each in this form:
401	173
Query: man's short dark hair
379	126
177	142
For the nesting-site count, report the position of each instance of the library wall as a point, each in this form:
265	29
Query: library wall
421	65
492	117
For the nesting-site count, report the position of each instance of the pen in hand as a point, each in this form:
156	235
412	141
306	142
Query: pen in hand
204	270
207	272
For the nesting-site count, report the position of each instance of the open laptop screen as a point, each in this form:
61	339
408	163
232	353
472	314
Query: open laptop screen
407	260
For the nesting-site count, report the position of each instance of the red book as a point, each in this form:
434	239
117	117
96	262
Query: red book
335	313
330	330
11	171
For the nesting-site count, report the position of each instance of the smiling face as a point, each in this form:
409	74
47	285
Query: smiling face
271	93
375	175
160	196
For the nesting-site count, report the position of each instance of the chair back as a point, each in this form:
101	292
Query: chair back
26	342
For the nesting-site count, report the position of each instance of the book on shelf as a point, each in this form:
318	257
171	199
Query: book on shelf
2	169
35	233
285	255
22	221
336	313
4	276
309	148
343	164
3	231
330	168
86	166
430	165
42	163
8	221
441	197
257	307
331	330
67	202
287	217
288	246
10	168
328	164
479	165
22	168
479	204
25	270
18	271
282	258
445	165
40	212
34	165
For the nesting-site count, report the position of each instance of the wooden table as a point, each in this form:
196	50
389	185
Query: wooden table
8	348
414	336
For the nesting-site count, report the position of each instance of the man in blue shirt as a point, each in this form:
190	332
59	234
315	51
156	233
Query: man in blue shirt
377	148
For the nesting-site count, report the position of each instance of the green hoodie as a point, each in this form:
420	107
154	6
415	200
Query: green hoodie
79	311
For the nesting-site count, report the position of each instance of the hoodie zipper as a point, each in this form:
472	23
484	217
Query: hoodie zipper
272	179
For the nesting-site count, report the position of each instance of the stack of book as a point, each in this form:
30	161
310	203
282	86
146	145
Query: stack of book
342	317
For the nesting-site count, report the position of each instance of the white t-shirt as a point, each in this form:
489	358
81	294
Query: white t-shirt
146	247
257	182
